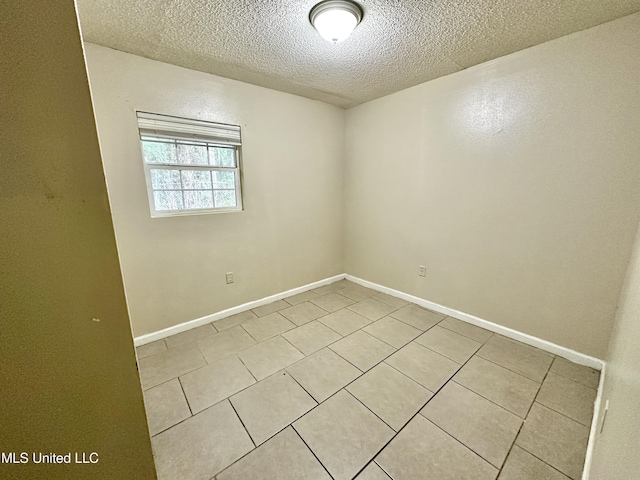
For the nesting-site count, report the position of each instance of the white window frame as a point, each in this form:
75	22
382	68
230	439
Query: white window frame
182	131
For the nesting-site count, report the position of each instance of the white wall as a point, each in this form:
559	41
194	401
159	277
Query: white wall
617	448
515	182
291	232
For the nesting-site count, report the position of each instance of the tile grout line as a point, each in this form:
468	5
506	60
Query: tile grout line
438	353
250	373
249	386
442	354
407	376
369	409
292	345
346	385
243	426
380	340
304	356
488	399
396	349
362	329
467	336
241	390
351	363
466	446
305	390
138	358
513	444
541	460
507	368
511	371
525	345
418	413
522	420
342	336
539	388
264	442
195	341
530	453
374	366
572	380
358	377
357	329
163	383
275	434
177	376
204	357
309	448
188	418
185	397
563	415
218	402
337	292
380	467
275	335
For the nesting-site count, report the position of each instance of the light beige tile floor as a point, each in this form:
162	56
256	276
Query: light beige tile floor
303	313
190	335
311	337
267	326
484	427
344	434
269	406
343	382
362	350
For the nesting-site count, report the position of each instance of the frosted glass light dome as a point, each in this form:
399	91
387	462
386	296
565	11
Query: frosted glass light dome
335	19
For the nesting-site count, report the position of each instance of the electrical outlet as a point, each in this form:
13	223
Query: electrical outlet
422	271
229	277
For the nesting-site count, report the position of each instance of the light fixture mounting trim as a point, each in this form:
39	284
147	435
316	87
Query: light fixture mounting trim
335	6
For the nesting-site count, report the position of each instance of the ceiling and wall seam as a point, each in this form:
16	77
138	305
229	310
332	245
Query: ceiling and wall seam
398	44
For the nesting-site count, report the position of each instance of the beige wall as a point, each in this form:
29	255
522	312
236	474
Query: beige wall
515	182
617	449
290	233
67	383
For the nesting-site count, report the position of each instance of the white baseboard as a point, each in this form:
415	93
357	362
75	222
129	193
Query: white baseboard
183	327
569	354
593	431
572	355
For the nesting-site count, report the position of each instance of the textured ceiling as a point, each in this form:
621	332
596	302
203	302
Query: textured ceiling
400	43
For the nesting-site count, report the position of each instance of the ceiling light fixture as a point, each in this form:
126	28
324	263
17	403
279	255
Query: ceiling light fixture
335	19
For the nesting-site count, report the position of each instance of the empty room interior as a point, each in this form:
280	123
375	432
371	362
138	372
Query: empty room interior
302	240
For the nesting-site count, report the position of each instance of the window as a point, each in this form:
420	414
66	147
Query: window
191	166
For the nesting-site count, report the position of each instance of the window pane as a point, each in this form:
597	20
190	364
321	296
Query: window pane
168	200
165	179
225	198
157	152
192	154
222	156
196	179
198	199
224	180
